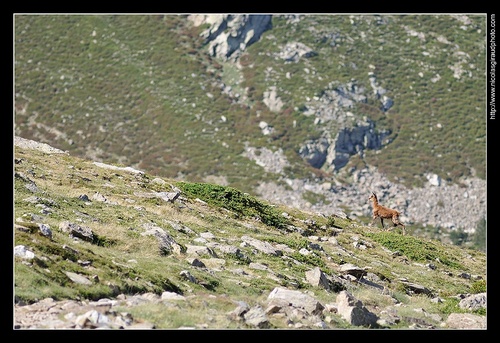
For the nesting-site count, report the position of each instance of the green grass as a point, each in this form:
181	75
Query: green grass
232	199
418	250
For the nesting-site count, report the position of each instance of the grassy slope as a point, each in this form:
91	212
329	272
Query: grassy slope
141	90
127	262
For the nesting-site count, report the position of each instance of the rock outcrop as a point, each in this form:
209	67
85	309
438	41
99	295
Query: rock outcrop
229	35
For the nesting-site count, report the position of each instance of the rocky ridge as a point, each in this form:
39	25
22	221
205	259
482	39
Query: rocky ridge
438	204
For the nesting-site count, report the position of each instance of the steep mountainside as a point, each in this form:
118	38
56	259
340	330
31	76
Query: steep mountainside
102	246
296	108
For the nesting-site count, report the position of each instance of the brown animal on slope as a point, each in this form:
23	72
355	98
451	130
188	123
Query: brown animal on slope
383	212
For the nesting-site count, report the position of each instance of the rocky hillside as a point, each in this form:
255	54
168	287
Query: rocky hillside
109	246
312	111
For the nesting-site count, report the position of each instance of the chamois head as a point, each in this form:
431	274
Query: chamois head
373	196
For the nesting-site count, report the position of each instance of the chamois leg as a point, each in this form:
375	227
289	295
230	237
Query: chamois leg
403	228
396	222
382	222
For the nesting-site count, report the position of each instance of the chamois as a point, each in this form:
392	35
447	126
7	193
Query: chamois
383	212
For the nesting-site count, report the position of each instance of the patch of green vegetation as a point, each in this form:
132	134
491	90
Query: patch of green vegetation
480	312
311	260
337	222
33	284
416	249
232	199
293	241
401	296
478	286
103	241
49	247
450	305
